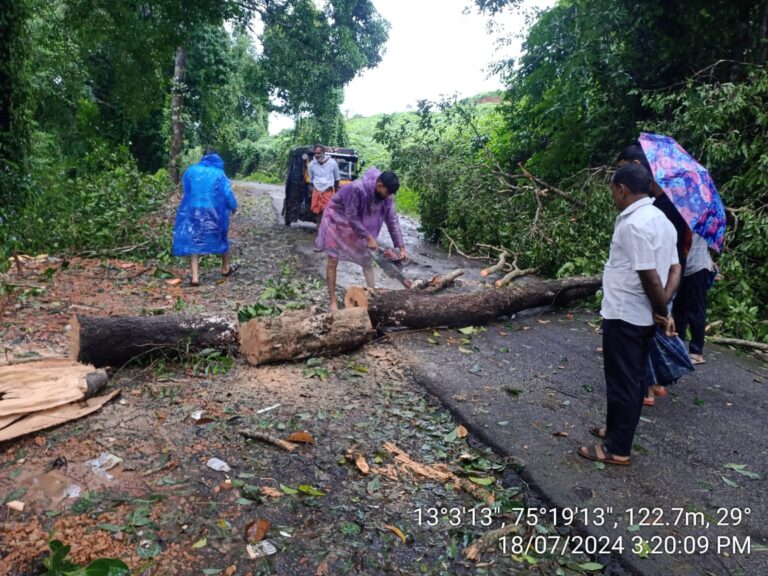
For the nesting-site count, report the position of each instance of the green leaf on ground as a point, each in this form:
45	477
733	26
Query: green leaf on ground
310	490
374	485
288	490
111	527
730	482
200	543
465	350
591	566
468	331
741	469
350	529
482	481
514	392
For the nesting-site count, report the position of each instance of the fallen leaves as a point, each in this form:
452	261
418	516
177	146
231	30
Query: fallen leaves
396	531
257	530
301	438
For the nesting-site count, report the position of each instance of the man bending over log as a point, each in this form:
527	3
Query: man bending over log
352	222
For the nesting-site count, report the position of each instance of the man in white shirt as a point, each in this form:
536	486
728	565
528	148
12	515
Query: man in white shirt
690	307
324	176
640	278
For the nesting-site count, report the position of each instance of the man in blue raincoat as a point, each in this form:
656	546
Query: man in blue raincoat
202	221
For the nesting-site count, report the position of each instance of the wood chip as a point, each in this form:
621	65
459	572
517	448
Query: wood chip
362	465
461	432
16	505
270	492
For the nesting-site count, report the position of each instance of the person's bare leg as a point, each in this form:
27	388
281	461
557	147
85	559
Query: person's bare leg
330	277
195	261
370	277
225	263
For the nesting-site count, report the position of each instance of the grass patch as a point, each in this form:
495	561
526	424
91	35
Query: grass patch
263	178
407	201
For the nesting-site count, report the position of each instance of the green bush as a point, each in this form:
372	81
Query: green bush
101	203
723	125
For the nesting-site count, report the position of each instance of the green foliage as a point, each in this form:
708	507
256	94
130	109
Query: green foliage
407	201
311	53
57	564
99	204
444	152
279	294
722	124
14	106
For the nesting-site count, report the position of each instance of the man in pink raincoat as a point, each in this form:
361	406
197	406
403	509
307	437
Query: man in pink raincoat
352	222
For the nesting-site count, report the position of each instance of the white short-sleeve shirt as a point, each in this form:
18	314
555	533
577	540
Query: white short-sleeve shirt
698	258
325	175
643	239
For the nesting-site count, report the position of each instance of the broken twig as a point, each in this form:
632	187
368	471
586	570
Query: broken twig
287	446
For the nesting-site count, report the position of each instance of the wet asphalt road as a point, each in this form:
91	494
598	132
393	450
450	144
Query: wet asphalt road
533	387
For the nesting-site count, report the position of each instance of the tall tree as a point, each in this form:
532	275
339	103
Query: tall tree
14	94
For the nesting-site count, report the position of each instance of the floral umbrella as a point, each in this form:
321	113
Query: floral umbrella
689	186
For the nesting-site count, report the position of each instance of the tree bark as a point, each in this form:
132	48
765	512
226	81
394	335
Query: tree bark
177	106
301	334
414	309
114	341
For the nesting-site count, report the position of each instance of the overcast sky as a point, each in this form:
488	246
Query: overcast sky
434	49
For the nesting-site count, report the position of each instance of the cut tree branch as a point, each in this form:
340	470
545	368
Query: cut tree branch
557	191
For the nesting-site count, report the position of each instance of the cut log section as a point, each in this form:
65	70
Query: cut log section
45	384
114	341
414	309
55	416
301	334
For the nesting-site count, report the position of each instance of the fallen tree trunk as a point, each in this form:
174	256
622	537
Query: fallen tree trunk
414	309
301	334
114	341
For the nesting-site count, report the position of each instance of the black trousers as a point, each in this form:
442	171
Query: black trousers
690	309
626	348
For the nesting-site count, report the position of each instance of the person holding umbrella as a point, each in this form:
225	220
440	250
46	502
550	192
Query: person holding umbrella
690	187
690	306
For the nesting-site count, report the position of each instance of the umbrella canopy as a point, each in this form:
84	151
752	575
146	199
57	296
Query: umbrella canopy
689	186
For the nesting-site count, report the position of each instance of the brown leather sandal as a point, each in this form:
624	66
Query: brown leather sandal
600	454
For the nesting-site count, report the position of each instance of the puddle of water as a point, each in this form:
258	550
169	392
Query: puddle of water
50	487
